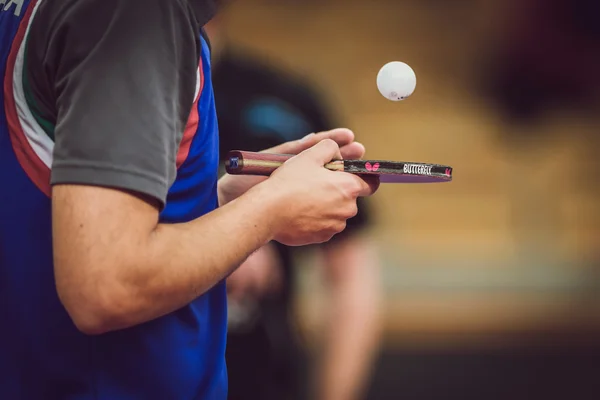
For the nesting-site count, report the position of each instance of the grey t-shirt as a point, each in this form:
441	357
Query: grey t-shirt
113	83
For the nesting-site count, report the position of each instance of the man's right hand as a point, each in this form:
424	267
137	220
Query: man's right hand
313	203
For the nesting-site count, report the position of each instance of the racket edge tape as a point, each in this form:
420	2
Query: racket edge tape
264	164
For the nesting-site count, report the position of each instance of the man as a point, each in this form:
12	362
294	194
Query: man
260	107
112	249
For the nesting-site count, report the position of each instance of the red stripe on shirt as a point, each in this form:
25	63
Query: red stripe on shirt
35	168
192	124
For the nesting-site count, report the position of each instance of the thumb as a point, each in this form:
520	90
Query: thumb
323	152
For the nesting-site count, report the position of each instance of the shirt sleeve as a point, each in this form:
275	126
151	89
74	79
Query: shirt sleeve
120	79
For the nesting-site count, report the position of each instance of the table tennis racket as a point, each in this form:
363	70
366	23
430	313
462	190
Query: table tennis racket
251	163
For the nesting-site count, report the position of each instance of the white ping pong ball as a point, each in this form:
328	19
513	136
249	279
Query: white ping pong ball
396	81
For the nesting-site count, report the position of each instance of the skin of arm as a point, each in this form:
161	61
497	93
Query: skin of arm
156	268
351	334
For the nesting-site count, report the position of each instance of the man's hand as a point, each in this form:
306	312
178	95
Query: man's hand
233	186
312	202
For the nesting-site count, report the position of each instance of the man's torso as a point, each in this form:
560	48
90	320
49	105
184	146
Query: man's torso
178	356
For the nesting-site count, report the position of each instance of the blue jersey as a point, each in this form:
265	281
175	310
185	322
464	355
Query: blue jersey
42	354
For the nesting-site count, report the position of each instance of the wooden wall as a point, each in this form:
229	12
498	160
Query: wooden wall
512	219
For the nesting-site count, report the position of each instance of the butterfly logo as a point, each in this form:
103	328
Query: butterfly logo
371	168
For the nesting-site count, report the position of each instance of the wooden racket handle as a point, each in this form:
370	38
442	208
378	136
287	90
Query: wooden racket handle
251	163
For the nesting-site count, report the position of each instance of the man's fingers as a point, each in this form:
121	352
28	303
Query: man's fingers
341	136
368	184
352	151
323	152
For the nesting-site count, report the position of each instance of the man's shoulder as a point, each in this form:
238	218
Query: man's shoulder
201	10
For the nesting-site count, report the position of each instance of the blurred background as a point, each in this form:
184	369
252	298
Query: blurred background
490	284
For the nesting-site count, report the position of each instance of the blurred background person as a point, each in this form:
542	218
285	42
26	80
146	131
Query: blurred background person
490	284
260	106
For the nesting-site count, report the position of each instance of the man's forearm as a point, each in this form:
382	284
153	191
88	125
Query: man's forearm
157	272
188	259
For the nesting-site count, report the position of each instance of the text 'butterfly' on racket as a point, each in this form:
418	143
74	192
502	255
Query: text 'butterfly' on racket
251	163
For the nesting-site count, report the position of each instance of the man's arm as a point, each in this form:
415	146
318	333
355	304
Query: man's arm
115	266
351	334
122	76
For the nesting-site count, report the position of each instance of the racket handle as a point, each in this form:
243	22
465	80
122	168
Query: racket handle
250	163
